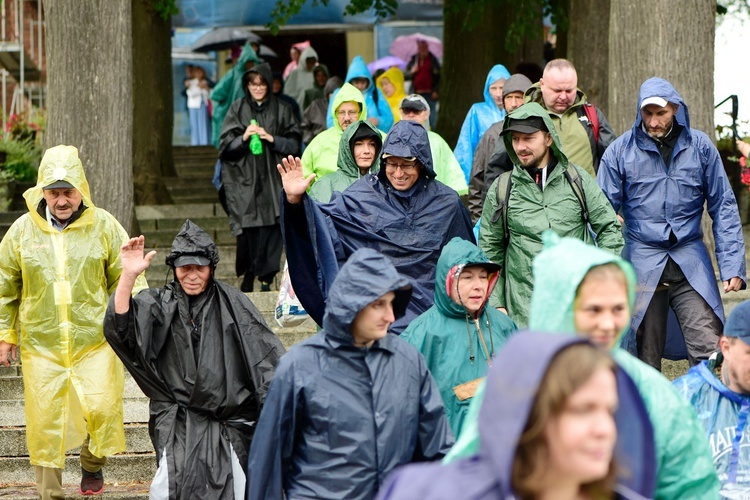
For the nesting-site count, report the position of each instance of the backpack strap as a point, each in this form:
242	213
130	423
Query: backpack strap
590	111
503	195
574	179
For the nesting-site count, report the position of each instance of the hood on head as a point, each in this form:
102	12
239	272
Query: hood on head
558	271
353	132
527	110
319	68
358	69
456	255
347	93
395	76
264	70
497	72
516	83
364	278
512	385
659	87
59	163
193	240
247	54
407	139
302	64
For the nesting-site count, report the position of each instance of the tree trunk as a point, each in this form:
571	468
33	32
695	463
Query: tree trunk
110	95
469	54
89	95
588	48
657	38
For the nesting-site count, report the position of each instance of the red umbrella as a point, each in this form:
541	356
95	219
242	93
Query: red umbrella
405	46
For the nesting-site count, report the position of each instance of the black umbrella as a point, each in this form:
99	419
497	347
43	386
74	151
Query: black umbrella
223	38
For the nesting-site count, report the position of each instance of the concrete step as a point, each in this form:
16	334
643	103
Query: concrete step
132	490
148	212
186	152
188	195
163	238
11	387
197	183
13	441
135	410
122	468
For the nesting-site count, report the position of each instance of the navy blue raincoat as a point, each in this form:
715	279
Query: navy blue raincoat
655	200
514	381
409	227
337	417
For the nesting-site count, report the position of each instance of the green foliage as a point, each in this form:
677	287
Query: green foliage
285	9
165	8
22	157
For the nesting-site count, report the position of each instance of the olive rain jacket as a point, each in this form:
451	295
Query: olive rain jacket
480	117
251	182
512	384
409	227
724	416
576	132
228	90
531	211
448	336
348	172
655	200
338	418
205	397
683	463
321	155
377	105
54	285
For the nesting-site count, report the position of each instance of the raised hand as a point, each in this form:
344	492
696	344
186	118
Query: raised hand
132	258
294	182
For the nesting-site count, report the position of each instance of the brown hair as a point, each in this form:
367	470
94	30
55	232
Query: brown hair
569	370
610	270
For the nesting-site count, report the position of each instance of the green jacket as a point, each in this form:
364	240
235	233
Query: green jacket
446	166
321	155
685	466
348	172
228	90
447	336
531	211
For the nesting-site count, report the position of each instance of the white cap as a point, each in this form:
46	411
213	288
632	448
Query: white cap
659	101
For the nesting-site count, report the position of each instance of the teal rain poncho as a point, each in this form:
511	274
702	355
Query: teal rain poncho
447	336
685	467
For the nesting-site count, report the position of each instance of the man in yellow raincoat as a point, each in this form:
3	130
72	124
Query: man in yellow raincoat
59	263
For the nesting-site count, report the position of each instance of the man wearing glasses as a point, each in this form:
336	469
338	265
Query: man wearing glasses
401	211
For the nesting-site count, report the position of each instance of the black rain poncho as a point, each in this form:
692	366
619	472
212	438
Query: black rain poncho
339	418
205	396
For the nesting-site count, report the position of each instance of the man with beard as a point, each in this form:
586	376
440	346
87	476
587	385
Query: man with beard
543	191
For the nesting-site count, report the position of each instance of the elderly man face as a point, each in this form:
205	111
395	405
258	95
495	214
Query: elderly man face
193	278
348	113
402	172
559	89
63	203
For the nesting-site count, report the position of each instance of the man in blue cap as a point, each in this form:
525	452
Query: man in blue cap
719	390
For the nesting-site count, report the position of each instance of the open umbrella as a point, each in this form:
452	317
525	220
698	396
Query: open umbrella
385	63
405	46
223	38
266	51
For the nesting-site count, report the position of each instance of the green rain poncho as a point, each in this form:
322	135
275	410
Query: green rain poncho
531	211
685	466
321	155
448	337
348	172
228	90
55	285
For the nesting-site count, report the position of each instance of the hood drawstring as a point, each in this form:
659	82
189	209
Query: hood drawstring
488	354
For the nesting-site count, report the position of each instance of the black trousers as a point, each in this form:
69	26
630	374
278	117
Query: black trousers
258	254
700	325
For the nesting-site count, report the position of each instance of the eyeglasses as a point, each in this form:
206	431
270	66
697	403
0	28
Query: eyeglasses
411	111
405	167
257	85
353	114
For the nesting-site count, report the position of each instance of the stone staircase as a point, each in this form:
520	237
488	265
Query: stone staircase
195	169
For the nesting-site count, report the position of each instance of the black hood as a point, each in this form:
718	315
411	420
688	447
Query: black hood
192	240
264	70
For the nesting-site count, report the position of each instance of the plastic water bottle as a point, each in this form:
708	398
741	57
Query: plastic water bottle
256	145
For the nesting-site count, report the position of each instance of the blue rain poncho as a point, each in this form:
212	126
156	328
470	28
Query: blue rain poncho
338	417
655	200
480	117
512	384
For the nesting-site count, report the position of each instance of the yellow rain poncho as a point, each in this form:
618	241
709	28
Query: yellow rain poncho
55	285
396	77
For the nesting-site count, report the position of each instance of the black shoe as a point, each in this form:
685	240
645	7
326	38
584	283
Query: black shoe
265	287
247	284
92	483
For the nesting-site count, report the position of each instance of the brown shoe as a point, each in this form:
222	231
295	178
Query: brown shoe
92	483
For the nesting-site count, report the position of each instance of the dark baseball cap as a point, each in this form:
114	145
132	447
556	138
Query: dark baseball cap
414	101
187	260
527	125
738	323
59	185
